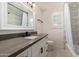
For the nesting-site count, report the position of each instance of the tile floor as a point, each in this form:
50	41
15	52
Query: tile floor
57	51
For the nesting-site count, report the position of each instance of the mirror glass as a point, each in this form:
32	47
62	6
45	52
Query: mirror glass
19	17
30	19
14	15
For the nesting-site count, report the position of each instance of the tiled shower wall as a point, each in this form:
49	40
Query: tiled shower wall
74	15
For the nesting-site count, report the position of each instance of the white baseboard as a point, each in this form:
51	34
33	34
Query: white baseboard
72	51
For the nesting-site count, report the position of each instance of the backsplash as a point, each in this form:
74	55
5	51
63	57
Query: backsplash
15	35
9	36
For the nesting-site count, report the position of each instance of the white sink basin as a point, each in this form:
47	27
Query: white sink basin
31	37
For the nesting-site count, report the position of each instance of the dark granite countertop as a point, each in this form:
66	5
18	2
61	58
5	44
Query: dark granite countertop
13	47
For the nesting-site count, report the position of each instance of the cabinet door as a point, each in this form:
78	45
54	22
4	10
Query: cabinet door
29	52
36	50
40	48
44	47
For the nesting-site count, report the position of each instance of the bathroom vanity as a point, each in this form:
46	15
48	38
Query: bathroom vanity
20	16
39	49
21	47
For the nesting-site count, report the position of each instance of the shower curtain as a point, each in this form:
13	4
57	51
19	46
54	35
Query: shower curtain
67	25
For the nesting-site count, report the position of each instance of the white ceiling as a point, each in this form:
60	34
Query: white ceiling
49	5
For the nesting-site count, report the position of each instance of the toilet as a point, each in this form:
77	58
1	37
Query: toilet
50	45
50	42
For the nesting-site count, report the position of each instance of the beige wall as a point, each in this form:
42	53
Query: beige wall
38	15
56	34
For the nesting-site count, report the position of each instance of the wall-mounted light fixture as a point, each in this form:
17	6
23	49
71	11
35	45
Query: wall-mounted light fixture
40	20
31	4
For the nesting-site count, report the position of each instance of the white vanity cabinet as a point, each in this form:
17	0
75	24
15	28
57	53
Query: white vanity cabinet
44	46
16	15
36	50
39	49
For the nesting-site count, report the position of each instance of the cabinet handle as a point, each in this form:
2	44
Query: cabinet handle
8	12
41	50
